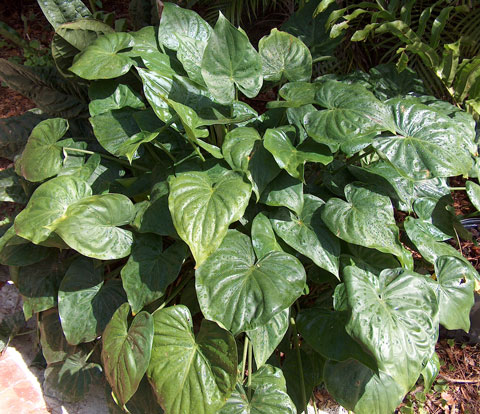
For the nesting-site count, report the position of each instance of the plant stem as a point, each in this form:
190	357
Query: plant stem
107	157
244	358
177	290
457	188
299	362
250	371
92	5
193	154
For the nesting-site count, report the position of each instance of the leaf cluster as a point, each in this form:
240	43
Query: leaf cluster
185	227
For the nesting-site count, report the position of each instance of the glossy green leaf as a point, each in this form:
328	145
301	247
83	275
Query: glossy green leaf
202	208
71	379
324	331
72	38
269	395
352	113
308	235
366	218
231	61
104	59
266	338
85	302
126	351
243	293
473	191
146	47
455	292
291	158
263	237
360	389
284	57
17	251
285	191
48	203
182	22
394	316
108	95
431	371
42	156
178	358
150	269
154	217
91	226
58	12
190	54
427	144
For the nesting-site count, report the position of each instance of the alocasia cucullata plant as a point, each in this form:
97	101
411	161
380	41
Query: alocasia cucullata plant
229	262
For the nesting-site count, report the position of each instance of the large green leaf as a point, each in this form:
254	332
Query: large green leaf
473	191
269	395
358	388
352	113
85	302
58	12
427	144
190	54
38	284
15	130
108	95
17	251
366	218
242	293
203	207
42	157
182	22
455	285
104	59
394	316
150	269
291	158
324	331
284	57
178	358
74	37
266	338
91	226
48	203
71	379
51	93
230	61
307	234
126	351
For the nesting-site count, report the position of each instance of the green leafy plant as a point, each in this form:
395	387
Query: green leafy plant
210	259
446	55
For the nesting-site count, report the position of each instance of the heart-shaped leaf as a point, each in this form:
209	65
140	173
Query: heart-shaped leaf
126	351
394	316
202	208
352	113
266	338
48	203
241	293
284	57
104	59
150	269
91	226
366	218
190	53
63	11
324	331
183	22
270	395
230	61
42	156
455	292
360	389
285	191
263	237
428	144
108	95
178	358
85	302
291	158
308	234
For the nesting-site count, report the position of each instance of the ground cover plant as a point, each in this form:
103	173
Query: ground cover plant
205	258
